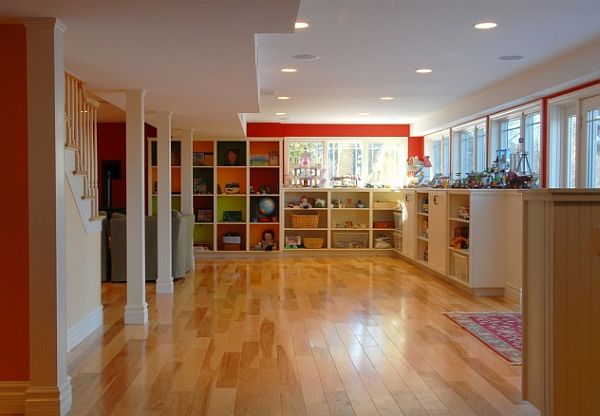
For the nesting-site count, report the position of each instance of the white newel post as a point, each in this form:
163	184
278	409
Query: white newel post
187	198
49	390
136	310
164	283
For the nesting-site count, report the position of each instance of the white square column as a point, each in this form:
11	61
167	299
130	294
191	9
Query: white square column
136	310
164	282
49	389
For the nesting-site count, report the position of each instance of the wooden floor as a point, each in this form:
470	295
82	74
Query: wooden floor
295	336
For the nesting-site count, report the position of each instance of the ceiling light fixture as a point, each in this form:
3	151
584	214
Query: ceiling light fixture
301	25
289	70
485	25
306	56
364	114
424	71
510	57
283	97
387	98
280	114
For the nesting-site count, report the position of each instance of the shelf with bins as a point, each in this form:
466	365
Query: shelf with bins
203	193
175	176
305	225
459	204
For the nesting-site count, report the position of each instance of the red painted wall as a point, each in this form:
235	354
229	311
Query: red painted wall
327	130
14	222
111	146
416	147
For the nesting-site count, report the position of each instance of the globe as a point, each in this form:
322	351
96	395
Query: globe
266	206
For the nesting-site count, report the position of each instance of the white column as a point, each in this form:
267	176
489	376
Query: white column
49	390
136	310
187	174
164	283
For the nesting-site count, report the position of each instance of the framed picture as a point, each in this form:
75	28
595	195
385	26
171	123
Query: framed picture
204	215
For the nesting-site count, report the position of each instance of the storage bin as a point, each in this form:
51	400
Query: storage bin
383	224
305	220
313	242
461	267
350	240
232	246
232	239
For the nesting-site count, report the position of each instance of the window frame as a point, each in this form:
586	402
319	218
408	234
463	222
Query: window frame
521	113
445	159
402	141
457	151
559	110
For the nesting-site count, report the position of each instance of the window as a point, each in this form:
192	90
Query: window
345	158
373	161
592	130
574	140
519	133
469	145
437	147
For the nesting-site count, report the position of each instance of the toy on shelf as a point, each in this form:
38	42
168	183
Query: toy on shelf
267	242
304	203
461	238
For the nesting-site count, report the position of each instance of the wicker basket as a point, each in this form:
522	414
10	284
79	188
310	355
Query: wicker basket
305	221
313	242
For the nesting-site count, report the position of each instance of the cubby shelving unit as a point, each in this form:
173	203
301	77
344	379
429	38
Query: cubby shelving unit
153	176
352	218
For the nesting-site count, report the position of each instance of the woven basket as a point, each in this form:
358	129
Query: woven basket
313	242
305	221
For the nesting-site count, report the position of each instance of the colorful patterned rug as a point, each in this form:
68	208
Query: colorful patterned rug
501	331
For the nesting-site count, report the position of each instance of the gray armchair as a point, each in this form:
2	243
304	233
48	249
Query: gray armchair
182	259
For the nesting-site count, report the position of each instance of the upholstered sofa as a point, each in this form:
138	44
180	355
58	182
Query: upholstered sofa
182	227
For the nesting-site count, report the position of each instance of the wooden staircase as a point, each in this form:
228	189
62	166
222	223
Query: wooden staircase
81	152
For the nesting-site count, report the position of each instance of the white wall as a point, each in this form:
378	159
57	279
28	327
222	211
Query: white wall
570	69
83	266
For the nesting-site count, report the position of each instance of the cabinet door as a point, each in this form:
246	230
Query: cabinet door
408	224
576	315
438	235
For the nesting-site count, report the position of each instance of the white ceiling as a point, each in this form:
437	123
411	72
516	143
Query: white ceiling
370	49
195	58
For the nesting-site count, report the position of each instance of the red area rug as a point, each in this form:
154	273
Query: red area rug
501	331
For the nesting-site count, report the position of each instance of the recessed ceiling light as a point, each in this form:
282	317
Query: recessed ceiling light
289	70
280	114
283	97
387	98
301	25
306	56
424	71
364	114
510	57
485	25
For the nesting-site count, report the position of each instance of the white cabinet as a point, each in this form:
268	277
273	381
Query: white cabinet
407	198
562	302
438	223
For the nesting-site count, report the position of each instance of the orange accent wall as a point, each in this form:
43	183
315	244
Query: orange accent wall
327	130
14	225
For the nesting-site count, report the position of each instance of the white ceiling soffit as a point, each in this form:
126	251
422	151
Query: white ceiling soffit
195	58
371	49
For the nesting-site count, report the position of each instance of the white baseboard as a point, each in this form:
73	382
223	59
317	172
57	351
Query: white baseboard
80	330
12	397
513	293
